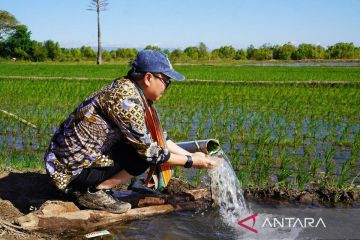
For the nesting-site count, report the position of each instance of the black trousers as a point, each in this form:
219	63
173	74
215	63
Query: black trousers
124	157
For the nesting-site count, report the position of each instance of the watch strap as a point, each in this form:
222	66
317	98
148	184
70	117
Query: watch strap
189	162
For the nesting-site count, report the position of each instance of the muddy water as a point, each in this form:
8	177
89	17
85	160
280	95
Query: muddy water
340	224
267	221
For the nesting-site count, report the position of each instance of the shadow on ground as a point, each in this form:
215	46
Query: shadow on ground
28	191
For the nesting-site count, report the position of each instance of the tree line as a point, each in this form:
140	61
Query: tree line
16	43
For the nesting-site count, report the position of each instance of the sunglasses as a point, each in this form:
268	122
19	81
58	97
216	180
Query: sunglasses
165	81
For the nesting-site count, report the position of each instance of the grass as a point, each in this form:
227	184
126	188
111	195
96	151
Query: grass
298	135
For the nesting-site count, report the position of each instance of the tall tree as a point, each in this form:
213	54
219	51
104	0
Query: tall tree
19	43
98	6
53	49
8	23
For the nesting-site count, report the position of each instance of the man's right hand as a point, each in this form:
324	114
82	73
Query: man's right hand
201	160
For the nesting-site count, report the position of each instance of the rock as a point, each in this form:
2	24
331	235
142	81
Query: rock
57	207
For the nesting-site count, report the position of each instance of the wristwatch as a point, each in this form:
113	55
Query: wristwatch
189	162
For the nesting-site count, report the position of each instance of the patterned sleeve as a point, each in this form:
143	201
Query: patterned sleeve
123	105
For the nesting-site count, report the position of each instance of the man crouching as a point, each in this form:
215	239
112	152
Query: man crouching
115	134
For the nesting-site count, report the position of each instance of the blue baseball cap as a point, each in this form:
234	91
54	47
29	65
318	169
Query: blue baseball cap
155	62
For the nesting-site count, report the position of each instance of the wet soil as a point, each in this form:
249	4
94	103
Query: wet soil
316	197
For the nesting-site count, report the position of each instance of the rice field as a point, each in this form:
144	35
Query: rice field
227	73
293	136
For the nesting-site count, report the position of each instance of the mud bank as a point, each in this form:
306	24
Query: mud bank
317	197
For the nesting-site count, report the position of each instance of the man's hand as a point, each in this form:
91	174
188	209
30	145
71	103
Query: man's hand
199	154
201	160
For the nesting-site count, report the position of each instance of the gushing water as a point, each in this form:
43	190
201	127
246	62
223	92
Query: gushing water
226	191
228	196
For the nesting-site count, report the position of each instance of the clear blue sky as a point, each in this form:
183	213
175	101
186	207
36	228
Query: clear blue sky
182	23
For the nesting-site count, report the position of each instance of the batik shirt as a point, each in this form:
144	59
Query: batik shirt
115	113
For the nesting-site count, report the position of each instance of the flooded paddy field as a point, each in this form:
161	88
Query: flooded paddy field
295	137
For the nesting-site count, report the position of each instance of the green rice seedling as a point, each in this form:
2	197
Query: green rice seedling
253	130
269	152
309	151
266	173
302	175
315	166
264	137
329	167
284	172
245	176
342	179
263	166
245	153
297	136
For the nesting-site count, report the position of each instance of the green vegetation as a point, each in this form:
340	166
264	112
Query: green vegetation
292	136
227	73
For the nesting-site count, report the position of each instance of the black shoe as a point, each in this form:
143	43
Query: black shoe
140	187
102	200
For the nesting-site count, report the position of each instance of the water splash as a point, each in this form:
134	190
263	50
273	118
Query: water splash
228	195
227	192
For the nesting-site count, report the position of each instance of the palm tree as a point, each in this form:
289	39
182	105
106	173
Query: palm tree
98	6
